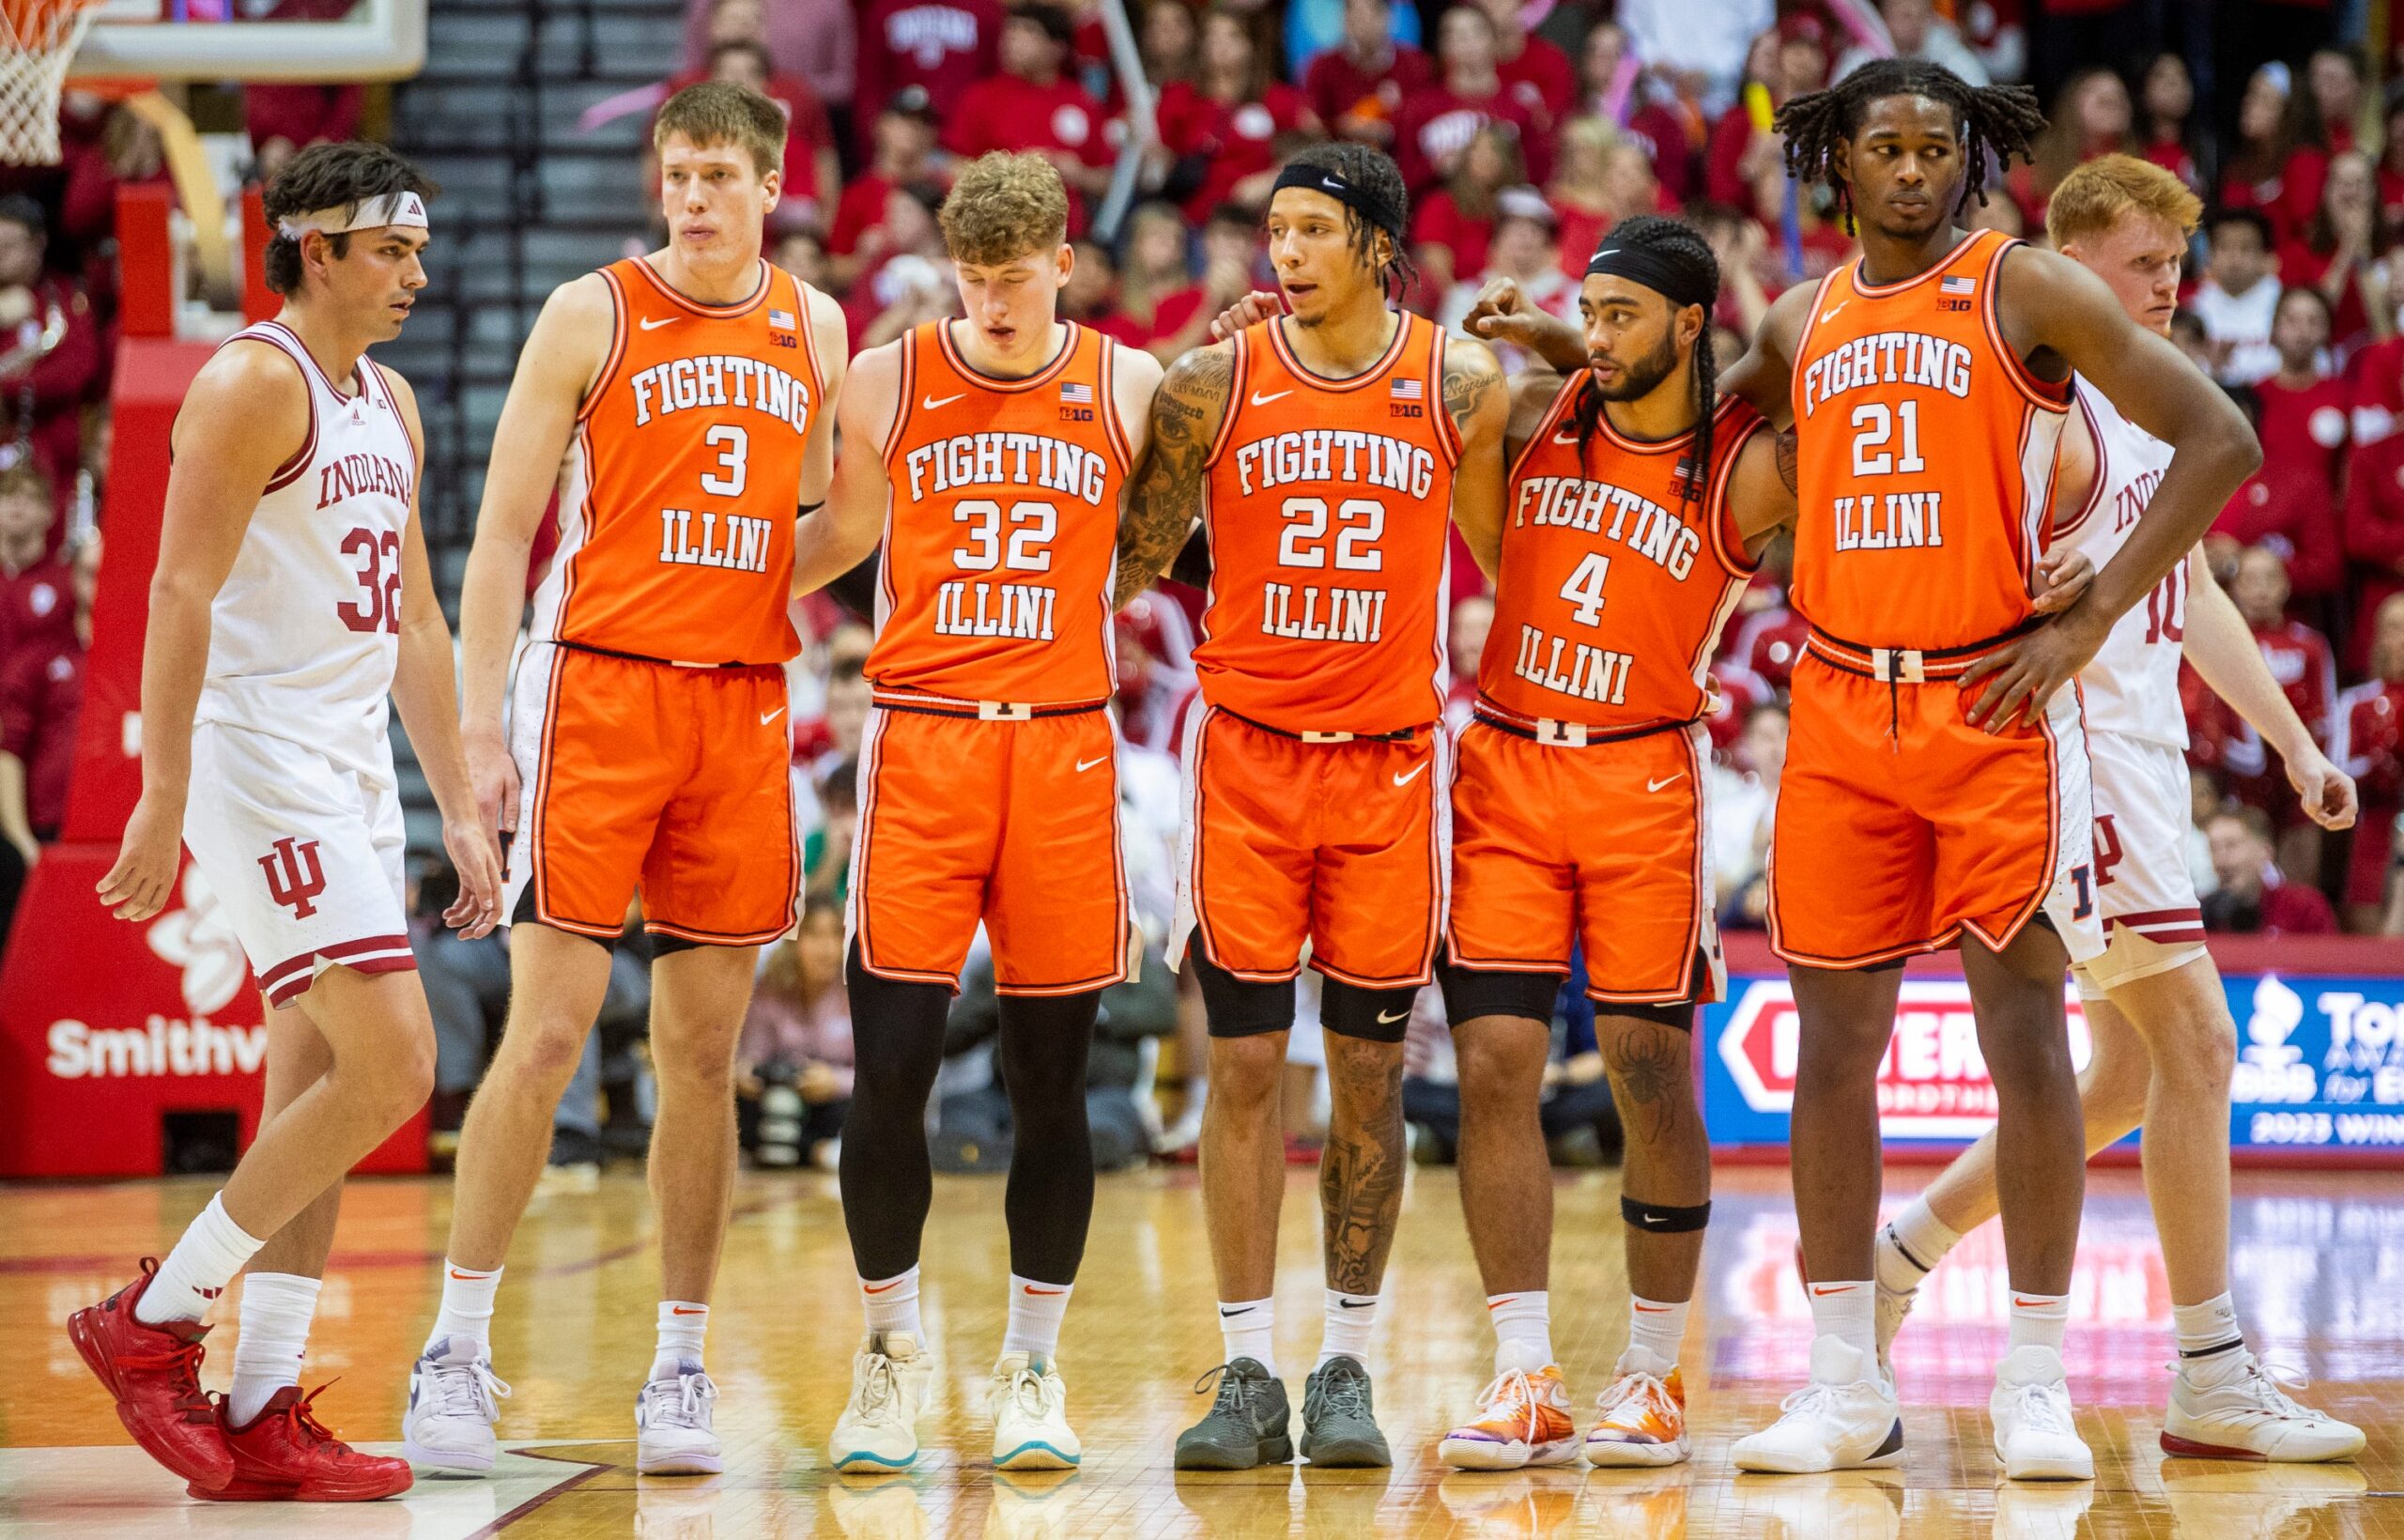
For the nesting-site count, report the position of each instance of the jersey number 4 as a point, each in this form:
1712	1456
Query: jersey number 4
380	579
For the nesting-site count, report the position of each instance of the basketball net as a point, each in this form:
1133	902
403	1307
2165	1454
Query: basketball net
38	39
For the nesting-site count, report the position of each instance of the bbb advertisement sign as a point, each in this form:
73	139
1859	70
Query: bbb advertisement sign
2319	1064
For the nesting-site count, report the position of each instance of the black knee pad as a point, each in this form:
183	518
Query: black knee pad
1372	1015
1472	992
1241	1008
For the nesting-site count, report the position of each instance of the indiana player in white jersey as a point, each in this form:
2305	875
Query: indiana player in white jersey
292	594
2164	1041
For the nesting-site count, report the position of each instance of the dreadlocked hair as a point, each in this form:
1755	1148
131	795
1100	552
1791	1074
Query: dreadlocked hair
1682	244
1374	173
2001	121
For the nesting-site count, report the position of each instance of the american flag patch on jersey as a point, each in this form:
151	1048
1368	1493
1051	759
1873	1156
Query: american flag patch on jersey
1078	392
782	320
1958	286
1408	389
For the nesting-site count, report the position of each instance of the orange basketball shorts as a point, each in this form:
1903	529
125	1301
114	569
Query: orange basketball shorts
1605	844
676	783
1900	825
1014	823
1343	846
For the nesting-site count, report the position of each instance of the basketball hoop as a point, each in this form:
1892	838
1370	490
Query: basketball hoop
37	38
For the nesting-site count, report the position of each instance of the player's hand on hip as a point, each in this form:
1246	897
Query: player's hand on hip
2064	575
2024	675
2328	792
1254	308
137	887
475	854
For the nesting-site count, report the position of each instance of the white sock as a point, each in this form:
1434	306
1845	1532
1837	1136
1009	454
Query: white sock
1847	1311
1037	1309
467	1304
683	1324
1657	1326
2039	1319
1350	1319
277	1308
1522	1329
211	1252
2208	1339
1922	1240
891	1304
1248	1328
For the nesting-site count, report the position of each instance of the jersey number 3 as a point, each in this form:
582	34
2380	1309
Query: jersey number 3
380	579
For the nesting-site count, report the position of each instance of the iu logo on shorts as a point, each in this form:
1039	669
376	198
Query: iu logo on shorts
294	876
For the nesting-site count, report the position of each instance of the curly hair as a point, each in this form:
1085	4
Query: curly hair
1682	244
1379	180
1004	207
2002	121
331	177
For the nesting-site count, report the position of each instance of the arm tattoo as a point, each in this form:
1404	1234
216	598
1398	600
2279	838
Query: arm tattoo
1470	379
1787	443
1649	1076
1167	493
1360	1176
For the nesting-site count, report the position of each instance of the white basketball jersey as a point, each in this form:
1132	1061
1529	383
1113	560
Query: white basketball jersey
305	636
2133	684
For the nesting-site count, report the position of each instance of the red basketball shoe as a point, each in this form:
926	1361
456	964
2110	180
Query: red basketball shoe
154	1374
287	1456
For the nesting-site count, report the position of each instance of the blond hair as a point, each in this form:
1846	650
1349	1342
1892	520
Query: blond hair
721	112
2095	195
1004	207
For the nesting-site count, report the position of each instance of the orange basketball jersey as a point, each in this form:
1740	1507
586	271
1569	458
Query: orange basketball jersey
1925	457
1328	505
676	524
1613	586
1001	537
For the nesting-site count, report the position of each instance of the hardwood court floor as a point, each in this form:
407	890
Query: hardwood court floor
2319	1275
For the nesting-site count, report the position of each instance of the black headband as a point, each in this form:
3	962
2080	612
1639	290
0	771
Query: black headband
1673	281
1320	180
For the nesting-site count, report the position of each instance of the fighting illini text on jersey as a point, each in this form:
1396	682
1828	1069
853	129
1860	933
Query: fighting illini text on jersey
676	526
1926	459
1328	505
1613	585
1001	539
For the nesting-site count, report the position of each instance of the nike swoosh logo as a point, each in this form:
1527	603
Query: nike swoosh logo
1032	1290
1084	765
879	1288
1650	1219
1405	781
2026	1304
653	326
1656	785
1386	1020
1226	1314
1840	1289
772	717
1260	400
1497	1304
463	1277
1569	439
930	403
1654	1309
680	1310
1354	1305
1829	313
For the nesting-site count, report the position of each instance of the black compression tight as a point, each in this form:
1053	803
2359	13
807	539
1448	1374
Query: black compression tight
1049	1205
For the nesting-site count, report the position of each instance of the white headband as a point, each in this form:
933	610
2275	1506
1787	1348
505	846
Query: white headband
366	214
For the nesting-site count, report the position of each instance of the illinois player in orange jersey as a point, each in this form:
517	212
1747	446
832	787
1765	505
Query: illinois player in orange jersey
648	747
1936	784
1325	451
991	454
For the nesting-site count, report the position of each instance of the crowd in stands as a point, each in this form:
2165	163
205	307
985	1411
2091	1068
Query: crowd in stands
1525	132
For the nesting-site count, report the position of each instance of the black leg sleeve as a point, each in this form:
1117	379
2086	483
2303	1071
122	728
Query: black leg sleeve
1041	1057
897	1045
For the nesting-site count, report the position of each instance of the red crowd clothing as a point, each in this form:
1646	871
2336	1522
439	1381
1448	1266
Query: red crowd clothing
2299	658
860	210
2370	748
1237	138
2217	738
2301	267
2288	511
2374	537
36	608
2377	376
1435	123
2391	198
41	692
2171	156
944	45
1440	221
61	382
1338	87
1767	645
1008	114
2305	430
1542	78
2292	909
1171	314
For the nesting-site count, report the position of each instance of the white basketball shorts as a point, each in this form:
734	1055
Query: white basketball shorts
2152	921
303	852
